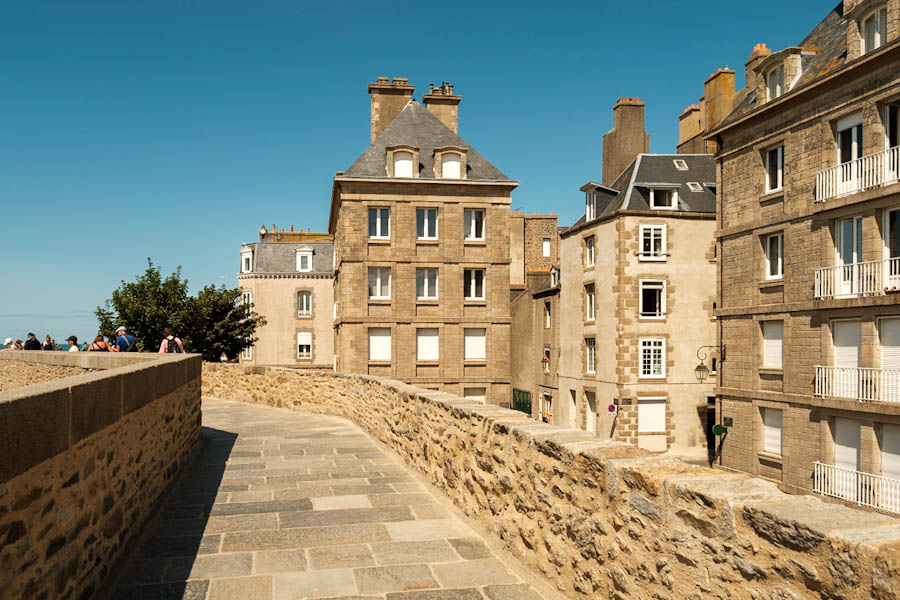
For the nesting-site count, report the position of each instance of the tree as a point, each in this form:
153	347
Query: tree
211	323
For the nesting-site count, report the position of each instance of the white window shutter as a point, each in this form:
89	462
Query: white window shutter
450	166
890	451
651	415
380	343
474	344
773	344
427	344
403	166
772	423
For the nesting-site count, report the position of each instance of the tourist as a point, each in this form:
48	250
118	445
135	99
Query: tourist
124	341
48	344
55	345
73	343
20	345
32	342
170	343
8	342
98	345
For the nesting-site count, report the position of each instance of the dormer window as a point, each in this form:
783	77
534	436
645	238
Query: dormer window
402	161
304	259
663	198
403	166
449	165
775	82
450	162
874	30
246	260
590	205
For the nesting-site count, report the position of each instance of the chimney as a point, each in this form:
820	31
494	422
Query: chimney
718	94
625	140
760	53
441	102
690	127
388	99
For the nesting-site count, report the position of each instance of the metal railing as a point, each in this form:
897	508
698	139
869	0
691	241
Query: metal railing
858	279
858	174
865	489
858	383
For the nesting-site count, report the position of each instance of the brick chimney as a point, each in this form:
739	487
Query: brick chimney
718	96
759	54
388	99
690	126
441	102
625	140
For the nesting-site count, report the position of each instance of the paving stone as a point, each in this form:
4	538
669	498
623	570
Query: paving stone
338	502
210	566
252	508
189	590
258	587
435	529
431	511
313	584
408	488
190	545
397	578
334	557
311	492
242	523
395	553
147	570
400	499
322	518
304	537
254	496
279	561
456	594
511	592
473	572
470	548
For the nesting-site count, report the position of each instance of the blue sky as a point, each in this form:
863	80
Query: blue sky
173	129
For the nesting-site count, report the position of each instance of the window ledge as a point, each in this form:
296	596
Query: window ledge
653	377
428	363
652	257
590	322
380	241
304	316
427	301
481	362
379	363
771	371
771	283
652	433
380	301
772	196
428	242
473	302
475	242
589	267
769	457
651	318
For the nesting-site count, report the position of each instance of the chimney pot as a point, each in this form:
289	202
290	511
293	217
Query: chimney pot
443	104
292	229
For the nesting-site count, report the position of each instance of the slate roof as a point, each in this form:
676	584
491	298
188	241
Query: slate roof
415	126
658	170
824	50
281	257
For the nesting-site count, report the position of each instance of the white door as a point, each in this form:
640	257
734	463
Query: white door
891	268
847	341
591	408
890	361
846	458
849	255
890	467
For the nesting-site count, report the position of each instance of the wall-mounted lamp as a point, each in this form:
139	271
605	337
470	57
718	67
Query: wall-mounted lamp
702	371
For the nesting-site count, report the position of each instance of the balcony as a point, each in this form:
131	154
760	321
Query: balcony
861	384
858	279
858	174
865	489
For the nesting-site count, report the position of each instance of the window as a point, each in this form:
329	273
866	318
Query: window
474	347
403	164
246	262
680	164
651	415
304	345
474	223
653	242
546	315
772	420
590	355
380	343
473	284
653	299
714	366
774	256
379	282
477	394
590	205
589	251
426	223
380	223
874	30
775	169
246	297
427	283
589	304
849	142
247	353
545	247
892	128
304	304
304	260
663	199
427	344
773	342
653	357
546	360
554	277
695	186
775	82
450	165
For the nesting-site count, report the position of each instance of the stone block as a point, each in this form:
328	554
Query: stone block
396	578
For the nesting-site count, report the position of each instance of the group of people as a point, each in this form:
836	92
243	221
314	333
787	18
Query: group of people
124	342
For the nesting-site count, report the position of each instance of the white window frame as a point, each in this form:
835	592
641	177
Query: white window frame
396	155
590	355
427	272
694	186
776	261
369	340
768	329
470	284
423	352
642	425
854	124
304	336
554	277
652	346
680	164
304	307
458	157
590	205
246	297
771	417
470	224
472	350
589	251
247	353
308	255
247	261
879	37
775	168
545	247
775	83
547	315
546	359
425	234
656	284
380	283
590	302
382	218
650	230
674	198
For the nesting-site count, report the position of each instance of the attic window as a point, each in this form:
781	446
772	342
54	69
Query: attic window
874	30
304	259
694	186
663	198
450	165
775	82
680	164
403	164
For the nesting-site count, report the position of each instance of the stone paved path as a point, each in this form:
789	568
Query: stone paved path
287	506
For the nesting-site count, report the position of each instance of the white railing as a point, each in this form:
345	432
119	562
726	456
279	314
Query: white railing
858	279
858	383
865	489
858	174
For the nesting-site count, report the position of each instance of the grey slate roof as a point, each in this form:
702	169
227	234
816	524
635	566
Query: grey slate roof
281	257
415	126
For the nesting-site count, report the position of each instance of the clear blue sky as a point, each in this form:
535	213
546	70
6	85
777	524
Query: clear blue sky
173	129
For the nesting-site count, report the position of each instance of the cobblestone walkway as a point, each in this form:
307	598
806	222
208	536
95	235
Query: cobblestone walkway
287	506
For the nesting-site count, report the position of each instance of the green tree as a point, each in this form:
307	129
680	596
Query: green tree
211	323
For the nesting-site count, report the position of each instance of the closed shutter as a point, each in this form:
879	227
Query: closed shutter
403	164
304	344
380	343
846	444
450	166
477	394
651	415
772	424
890	451
591	409
474	344
427	344
847	335
773	343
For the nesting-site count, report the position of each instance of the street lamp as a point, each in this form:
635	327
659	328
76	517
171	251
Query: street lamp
701	371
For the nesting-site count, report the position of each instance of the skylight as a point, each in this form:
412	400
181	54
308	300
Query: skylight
680	164
694	186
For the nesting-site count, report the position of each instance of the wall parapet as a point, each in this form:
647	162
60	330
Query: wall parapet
600	518
86	459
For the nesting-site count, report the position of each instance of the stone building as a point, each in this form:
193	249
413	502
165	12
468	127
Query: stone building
288	276
638	280
421	227
809	251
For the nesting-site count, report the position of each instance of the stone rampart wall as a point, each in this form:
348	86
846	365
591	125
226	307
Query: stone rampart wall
601	519
84	461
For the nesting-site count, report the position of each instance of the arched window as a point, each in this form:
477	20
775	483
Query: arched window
403	164
450	165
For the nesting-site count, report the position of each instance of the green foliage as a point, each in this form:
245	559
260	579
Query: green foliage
211	323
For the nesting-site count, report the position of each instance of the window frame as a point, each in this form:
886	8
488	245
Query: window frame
424	234
590	249
767	246
247	261
879	37
546	356
680	164
379	211
548	315
308	312
779	90
590	355
425	282
778	168
590	302
300	354
657	284
649	344
673	195
470	224
546	249
308	255
590	205
379	283
649	228
470	285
